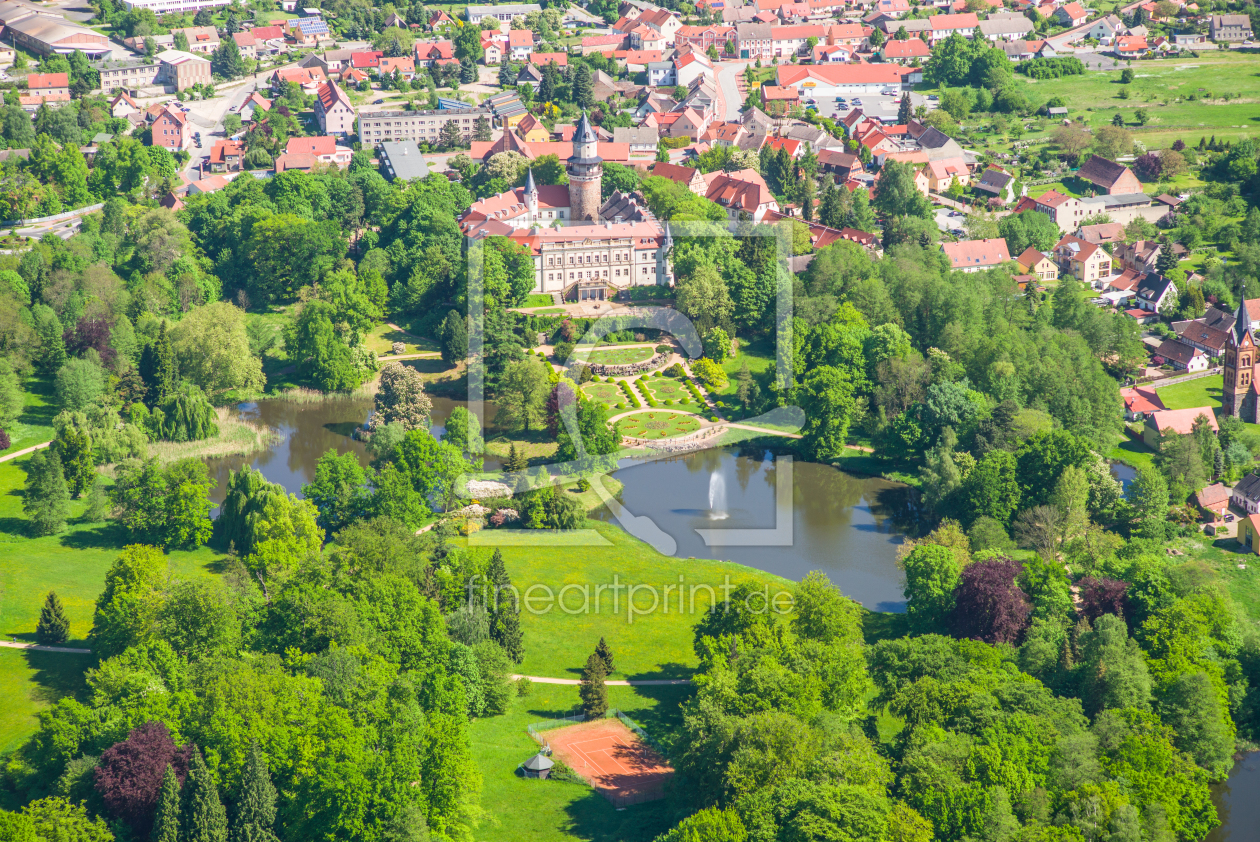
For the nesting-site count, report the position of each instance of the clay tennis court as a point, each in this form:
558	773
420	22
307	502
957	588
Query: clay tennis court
611	758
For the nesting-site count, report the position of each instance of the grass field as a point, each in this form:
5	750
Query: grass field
34	425
1161	88
609	394
621	356
74	565
558	811
381	339
538	299
1206	391
1133	453
658	425
650	645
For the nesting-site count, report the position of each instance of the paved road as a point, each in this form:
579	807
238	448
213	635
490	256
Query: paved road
728	89
1061	41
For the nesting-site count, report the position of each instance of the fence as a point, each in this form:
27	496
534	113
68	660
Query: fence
57	218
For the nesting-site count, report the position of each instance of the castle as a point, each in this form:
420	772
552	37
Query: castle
584	248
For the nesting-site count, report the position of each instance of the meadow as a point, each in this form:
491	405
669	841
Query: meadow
34	425
1162	88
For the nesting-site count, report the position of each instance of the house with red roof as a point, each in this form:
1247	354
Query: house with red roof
744	191
1139	402
944	26
1131	46
364	60
603	44
520	44
333	110
544	59
1180	422
904	52
690	178
704	37
1071	14
46	88
323	149
794	147
975	255
227	155
429	53
170	129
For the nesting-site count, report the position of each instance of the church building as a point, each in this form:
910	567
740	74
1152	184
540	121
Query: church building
1238	398
584	247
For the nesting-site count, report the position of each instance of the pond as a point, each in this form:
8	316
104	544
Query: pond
1237	802
308	431
844	525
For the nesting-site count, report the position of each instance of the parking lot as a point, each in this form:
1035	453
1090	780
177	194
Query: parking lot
949	220
878	106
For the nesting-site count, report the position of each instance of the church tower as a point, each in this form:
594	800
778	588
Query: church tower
531	196
1238	396
586	174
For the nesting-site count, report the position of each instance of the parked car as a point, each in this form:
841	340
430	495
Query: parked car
378	102
1229	518
933	98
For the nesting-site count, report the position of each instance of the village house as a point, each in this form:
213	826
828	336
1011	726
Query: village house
1246	496
1229	28
1087	262
1183	357
690	178
227	155
1180	422
333	110
1155	292
975	255
1038	264
744	191
1071	14
170	129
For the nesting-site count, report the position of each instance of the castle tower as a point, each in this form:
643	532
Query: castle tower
586	174
1238	395
531	195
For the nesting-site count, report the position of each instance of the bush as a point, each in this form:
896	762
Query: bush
524	686
664	349
709	373
4	440
669	403
563	350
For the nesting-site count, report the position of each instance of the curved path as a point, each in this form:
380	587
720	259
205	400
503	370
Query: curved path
23	452
574	681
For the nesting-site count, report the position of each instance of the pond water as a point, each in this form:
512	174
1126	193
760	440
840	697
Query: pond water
1125	473
847	526
844	525
309	430
1237	802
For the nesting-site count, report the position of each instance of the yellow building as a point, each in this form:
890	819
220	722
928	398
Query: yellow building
531	130
1249	533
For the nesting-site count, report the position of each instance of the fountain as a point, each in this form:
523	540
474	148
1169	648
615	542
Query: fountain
717	496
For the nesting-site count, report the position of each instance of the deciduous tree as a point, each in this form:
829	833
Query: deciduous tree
988	605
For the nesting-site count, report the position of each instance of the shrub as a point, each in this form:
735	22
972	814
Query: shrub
563	350
4	440
524	686
664	349
669	403
709	373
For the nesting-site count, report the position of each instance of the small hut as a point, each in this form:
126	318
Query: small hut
538	766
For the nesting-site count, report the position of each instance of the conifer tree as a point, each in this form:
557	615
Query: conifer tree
505	620
201	814
515	460
604	651
256	808
166	819
592	691
158	369
905	111
53	626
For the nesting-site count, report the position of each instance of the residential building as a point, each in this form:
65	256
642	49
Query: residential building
778	101
753	40
404	66
690	178
975	255
1087	262
1104	233
1246	496
373	127
1167	422
1038	264
839	165
531	130
307	32
180	70
1183	357
1131	46
45	33
429	53
905	52
1209	340
1064	210
122	105
1248	535
640	140
1006	27
170	129
943	26
1140	255
520	44
1071	14
227	155
254	103
704	37
401	161
323	149
1213	501
307	78
1155	293
944	172
47	87
935	144
743	191
506	12
558	59
998	183
1140	401
1229	28
1105	29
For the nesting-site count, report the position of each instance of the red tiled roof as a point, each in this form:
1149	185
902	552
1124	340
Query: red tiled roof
322	145
48	80
974	253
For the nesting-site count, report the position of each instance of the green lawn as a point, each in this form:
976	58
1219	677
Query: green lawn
1206	391
658	425
552	811
609	394
74	565
1133	453
1221	558
651	645
621	356
34	425
381	339
538	299
668	389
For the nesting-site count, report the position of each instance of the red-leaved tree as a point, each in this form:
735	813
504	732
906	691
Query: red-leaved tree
988	605
89	333
1148	166
1101	596
562	395
129	775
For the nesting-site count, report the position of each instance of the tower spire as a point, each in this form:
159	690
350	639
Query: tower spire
1242	318
530	186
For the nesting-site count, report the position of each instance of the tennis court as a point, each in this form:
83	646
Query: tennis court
612	759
